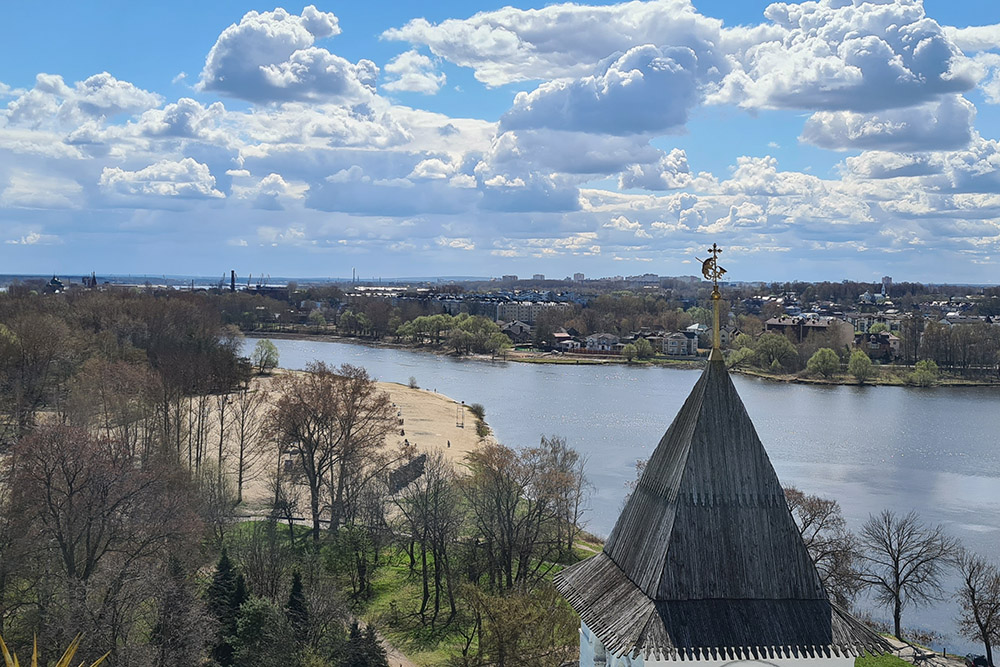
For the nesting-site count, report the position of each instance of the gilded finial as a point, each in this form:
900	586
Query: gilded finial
711	270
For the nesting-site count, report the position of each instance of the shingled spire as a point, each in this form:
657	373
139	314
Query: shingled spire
706	555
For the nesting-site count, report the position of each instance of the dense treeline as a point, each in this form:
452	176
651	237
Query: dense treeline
131	426
126	420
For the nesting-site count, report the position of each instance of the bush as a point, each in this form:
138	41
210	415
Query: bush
860	366
824	362
413	383
925	374
478	410
643	349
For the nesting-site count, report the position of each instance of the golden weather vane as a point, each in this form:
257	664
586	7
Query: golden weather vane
711	270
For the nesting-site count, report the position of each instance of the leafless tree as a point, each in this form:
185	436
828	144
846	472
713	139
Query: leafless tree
567	484
35	351
217	501
832	547
264	558
248	431
95	522
512	512
117	400
222	402
303	420
902	561
337	421
364	419
979	595
432	510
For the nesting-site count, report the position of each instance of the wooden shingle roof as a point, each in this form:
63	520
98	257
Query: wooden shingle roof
706	554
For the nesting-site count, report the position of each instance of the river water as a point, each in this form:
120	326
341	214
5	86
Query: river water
934	451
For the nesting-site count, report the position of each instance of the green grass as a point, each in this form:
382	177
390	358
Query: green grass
880	661
394	606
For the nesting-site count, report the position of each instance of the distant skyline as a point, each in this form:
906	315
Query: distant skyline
823	140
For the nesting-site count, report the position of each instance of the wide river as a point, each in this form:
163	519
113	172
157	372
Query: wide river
934	451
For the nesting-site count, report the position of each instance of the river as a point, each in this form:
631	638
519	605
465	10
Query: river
934	451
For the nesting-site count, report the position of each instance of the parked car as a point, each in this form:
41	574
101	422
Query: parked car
976	661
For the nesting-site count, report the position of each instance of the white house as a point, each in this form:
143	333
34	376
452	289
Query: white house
602	342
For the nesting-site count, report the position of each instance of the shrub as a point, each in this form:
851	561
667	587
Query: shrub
925	374
860	366
824	362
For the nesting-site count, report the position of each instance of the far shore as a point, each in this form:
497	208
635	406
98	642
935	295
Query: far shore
885	376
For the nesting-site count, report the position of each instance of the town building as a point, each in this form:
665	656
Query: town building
705	563
518	332
527	311
578	277
681	344
602	342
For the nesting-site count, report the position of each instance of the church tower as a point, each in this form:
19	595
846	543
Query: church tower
705	562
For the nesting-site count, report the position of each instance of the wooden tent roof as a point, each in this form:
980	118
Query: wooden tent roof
706	554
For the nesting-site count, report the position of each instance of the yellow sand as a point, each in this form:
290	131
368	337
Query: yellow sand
431	422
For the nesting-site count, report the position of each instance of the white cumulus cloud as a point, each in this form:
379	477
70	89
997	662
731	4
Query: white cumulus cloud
272	57
561	40
941	125
857	56
186	178
414	72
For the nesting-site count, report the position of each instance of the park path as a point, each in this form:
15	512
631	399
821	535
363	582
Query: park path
916	656
395	657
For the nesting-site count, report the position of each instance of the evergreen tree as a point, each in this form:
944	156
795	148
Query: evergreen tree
224	596
363	649
264	637
297	610
183	629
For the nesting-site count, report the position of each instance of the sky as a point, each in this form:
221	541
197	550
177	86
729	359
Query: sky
824	140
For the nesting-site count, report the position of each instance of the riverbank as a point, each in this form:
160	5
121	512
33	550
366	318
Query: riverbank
892	376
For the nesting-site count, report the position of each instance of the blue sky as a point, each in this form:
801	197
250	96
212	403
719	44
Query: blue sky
822	140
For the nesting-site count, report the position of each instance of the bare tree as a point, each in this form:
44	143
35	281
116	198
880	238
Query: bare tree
264	557
433	514
117	400
567	484
979	595
248	431
513	513
831	546
95	524
222	402
364	419
902	561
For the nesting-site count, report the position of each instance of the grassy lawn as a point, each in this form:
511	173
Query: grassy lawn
880	661
394	608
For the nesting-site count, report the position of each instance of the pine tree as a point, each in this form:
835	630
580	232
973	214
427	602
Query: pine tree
297	610
363	649
183	629
224	596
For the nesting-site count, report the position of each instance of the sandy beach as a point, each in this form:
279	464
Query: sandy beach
430	422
